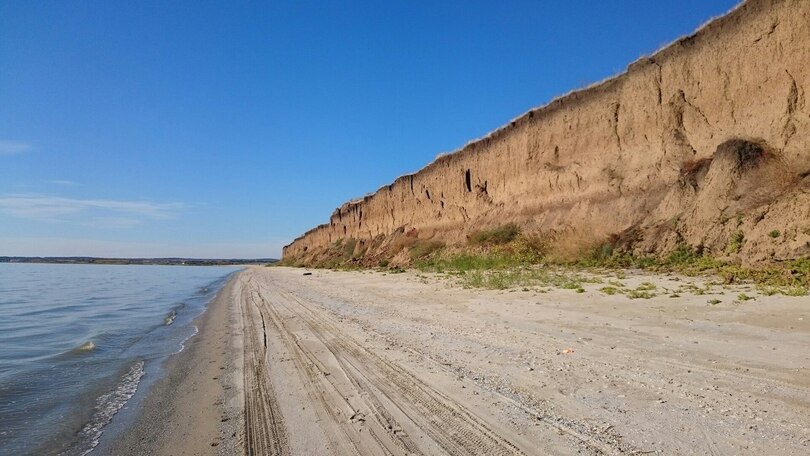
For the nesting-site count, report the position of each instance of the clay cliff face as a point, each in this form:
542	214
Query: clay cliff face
706	141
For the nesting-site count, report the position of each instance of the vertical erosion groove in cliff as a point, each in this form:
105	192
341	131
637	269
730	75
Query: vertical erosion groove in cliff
703	140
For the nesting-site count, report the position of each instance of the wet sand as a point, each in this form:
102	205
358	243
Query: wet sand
196	408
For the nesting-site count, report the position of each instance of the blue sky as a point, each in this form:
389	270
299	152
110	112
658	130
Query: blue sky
226	129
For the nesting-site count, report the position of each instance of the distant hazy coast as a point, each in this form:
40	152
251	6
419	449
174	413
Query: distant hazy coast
144	261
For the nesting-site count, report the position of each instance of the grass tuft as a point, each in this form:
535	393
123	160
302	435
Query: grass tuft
736	242
640	294
609	290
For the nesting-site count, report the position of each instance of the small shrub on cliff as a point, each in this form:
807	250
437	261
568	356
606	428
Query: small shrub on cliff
603	251
466	261
801	267
523	250
289	261
530	248
604	255
503	234
422	249
736	242
774	234
682	255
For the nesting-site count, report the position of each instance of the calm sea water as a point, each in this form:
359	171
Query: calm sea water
77	342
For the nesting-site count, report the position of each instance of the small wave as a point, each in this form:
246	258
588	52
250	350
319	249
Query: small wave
108	405
79	350
170	318
173	313
85	347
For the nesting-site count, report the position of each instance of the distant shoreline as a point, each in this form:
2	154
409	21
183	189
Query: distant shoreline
139	261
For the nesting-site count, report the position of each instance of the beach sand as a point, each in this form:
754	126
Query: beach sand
196	408
377	363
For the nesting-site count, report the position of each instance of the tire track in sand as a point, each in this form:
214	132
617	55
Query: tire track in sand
341	407
386	389
338	342
265	433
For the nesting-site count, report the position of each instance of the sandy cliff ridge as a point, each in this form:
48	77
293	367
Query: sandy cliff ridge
703	143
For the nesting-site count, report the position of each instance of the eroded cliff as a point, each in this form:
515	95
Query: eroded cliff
703	144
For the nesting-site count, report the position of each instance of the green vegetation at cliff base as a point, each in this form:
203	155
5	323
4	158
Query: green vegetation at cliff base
504	257
525	260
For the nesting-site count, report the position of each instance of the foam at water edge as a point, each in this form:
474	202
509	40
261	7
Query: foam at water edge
183	343
108	405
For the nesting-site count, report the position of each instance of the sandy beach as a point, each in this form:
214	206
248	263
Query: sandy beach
395	229
195	409
380	363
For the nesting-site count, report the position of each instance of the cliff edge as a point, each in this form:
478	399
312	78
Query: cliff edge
704	144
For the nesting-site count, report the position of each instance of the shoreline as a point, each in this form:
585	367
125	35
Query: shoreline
196	406
321	362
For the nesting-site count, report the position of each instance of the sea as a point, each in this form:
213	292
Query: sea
80	345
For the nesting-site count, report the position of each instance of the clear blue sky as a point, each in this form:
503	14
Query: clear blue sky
226	129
